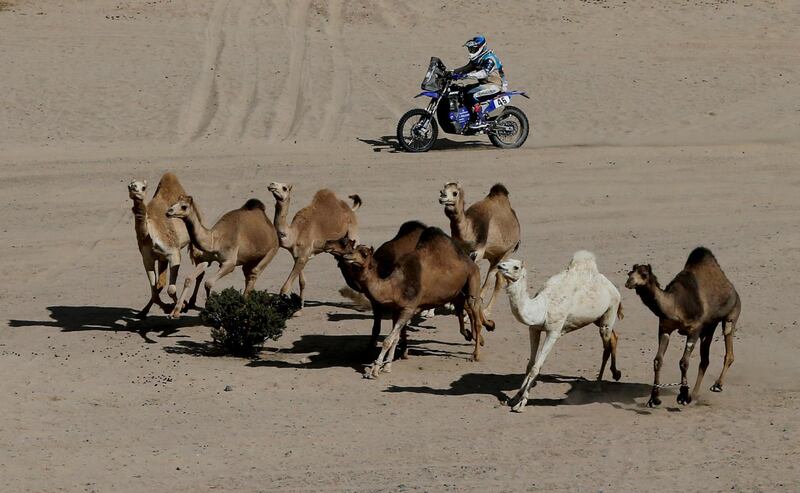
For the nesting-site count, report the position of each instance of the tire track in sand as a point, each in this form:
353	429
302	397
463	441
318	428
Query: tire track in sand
339	98
242	107
288	110
203	103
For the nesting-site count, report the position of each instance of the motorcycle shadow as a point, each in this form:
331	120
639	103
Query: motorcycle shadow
388	143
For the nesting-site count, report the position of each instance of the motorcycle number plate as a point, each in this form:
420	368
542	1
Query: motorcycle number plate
502	101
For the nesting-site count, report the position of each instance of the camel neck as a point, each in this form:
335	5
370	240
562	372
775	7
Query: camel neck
654	298
458	221
529	311
140	219
281	224
381	290
201	237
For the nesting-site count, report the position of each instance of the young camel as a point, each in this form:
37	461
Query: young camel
694	303
326	218
160	239
435	273
243	236
570	300
490	227
405	241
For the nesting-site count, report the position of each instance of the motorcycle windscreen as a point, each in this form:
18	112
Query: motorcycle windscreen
434	77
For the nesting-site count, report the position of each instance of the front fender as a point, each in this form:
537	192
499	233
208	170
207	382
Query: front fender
428	94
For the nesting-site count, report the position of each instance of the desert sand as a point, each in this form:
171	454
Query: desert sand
655	127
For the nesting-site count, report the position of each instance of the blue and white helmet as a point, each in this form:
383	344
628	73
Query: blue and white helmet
476	47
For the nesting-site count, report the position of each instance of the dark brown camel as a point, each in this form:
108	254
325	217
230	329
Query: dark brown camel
694	303
385	257
437	272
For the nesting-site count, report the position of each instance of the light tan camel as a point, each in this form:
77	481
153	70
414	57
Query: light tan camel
489	227
698	299
160	239
326	218
243	236
437	272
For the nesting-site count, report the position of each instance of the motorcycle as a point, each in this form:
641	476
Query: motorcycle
418	129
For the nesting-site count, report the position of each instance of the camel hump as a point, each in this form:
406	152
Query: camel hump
432	235
254	204
169	186
324	195
583	259
497	190
409	226
700	255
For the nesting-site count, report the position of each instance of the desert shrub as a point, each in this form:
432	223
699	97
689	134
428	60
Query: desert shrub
240	325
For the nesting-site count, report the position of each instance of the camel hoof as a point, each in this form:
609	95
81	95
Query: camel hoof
482	341
298	313
404	354
616	374
716	388
387	368
467	336
489	325
683	396
176	314
654	401
519	406
475	358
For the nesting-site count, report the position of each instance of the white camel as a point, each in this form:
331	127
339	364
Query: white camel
571	299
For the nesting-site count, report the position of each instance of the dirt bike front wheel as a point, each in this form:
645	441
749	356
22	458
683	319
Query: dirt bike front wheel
417	131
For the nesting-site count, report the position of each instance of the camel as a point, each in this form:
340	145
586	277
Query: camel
326	218
160	239
694	303
570	300
243	236
490	227
385	256
435	273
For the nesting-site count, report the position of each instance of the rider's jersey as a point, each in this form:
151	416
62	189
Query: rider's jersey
487	68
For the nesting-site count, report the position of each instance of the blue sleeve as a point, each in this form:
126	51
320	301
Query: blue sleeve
488	64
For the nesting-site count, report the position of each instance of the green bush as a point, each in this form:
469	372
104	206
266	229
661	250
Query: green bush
240	325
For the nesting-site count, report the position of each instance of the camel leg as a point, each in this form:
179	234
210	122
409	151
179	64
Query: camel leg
150	268
519	401
705	346
492	271
224	269
499	282
389	344
663	343
683	396
609	338
727	330
192	278
299	265
192	303
475	323
377	316
174	262
535	335
257	269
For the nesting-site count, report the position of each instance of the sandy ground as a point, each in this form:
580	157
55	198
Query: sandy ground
656	127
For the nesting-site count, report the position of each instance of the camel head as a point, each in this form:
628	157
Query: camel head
361	256
640	275
280	191
512	269
182	207
339	248
451	196
137	189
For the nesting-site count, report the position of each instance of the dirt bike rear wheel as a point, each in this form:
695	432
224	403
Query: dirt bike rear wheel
510	128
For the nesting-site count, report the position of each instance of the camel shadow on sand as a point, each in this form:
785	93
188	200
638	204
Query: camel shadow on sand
106	318
621	395
388	143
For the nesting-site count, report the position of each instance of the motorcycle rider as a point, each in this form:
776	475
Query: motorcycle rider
485	66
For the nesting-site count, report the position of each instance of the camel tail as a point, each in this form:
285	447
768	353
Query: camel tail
356	201
358	299
620	313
